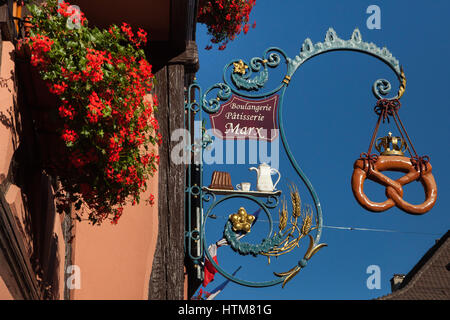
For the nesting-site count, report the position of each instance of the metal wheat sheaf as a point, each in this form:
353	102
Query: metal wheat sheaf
249	80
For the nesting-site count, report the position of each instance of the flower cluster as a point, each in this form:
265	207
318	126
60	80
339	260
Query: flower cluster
102	81
225	19
40	46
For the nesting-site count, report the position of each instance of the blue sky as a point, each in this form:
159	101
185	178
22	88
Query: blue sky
329	120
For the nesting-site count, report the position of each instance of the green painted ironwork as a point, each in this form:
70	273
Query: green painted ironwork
251	83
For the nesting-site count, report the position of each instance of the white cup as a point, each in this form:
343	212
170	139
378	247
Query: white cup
243	186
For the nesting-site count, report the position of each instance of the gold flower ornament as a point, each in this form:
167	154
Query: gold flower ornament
241	221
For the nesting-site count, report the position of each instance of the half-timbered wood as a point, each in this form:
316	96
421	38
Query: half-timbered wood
172	60
176	180
171	70
6	23
157	287
167	277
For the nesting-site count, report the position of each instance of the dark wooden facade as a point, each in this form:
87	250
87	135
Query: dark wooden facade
174	72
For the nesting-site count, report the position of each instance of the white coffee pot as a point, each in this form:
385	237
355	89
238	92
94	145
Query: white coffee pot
264	179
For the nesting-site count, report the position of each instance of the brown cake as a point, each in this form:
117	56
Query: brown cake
221	180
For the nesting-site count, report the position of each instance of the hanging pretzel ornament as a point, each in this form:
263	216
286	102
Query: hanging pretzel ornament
370	166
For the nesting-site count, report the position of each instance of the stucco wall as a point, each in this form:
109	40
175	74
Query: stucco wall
115	261
28	193
4	292
8	144
8	136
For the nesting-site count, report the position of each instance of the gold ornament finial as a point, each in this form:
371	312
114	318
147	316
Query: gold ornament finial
240	67
241	221
391	146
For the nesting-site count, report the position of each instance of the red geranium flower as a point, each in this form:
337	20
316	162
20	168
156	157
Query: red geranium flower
101	79
225	19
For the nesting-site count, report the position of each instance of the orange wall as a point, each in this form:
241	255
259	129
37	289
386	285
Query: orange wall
7	94
9	143
4	292
115	261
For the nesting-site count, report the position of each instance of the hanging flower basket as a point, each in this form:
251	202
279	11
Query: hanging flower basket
225	19
94	91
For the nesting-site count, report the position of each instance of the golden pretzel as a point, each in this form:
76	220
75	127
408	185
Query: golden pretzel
394	188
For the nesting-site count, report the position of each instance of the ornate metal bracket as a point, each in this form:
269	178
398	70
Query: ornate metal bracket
250	80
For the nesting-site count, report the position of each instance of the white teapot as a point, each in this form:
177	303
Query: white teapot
264	180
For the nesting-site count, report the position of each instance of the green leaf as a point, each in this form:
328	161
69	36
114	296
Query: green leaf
107	111
91	37
85	133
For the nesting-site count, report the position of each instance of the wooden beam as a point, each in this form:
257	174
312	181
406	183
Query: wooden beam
159	54
188	58
167	278
157	287
172	60
178	24
176	185
7	27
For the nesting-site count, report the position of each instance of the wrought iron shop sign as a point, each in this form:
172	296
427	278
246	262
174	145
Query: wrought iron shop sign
243	107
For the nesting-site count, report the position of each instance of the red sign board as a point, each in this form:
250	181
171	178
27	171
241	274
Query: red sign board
241	118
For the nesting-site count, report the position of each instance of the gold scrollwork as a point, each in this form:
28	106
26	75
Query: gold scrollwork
297	229
402	89
293	235
312	250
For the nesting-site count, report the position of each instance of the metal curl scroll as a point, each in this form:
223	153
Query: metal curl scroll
208	197
272	201
381	87
213	105
247	79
